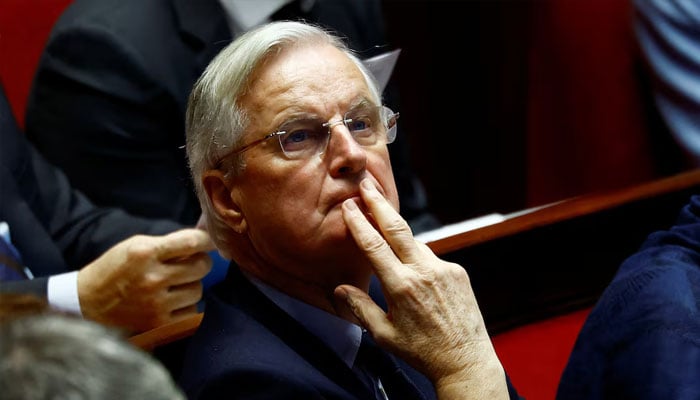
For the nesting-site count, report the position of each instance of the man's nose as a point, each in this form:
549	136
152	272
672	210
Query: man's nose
347	156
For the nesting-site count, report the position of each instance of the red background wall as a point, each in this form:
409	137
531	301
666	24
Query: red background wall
24	28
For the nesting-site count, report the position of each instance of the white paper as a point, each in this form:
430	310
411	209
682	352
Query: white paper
459	227
382	66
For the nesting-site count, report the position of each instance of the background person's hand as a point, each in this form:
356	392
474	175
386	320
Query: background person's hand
433	321
146	281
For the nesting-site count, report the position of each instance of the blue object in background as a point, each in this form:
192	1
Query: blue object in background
11	266
218	269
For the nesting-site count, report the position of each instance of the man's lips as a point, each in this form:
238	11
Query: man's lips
338	202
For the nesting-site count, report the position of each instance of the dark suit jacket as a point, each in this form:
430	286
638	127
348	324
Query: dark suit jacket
248	348
55	228
642	338
111	91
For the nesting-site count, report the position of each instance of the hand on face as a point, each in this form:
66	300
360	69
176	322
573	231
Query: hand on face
434	322
146	281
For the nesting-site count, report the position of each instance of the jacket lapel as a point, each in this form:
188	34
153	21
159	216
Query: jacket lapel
307	345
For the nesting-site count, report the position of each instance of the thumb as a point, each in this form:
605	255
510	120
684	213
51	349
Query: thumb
356	306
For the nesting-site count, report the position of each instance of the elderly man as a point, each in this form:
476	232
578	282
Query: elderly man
287	140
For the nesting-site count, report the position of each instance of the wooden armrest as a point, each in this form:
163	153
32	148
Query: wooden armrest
169	333
568	209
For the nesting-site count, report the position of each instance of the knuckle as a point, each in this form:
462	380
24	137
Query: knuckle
189	243
396	226
139	248
457	272
152	281
406	285
374	244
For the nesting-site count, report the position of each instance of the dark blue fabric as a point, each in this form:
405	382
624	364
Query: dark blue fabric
380	365
219	268
248	348
642	339
11	267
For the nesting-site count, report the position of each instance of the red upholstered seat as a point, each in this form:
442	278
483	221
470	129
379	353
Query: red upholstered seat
24	28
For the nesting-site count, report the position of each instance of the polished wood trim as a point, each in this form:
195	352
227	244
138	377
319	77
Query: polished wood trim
566	210
168	333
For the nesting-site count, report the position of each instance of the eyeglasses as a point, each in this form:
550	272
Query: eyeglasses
306	137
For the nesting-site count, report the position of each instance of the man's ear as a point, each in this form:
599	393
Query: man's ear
220	193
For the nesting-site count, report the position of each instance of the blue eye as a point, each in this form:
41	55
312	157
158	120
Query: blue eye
297	136
363	127
302	139
359	124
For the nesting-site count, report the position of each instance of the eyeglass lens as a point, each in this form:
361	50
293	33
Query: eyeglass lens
308	137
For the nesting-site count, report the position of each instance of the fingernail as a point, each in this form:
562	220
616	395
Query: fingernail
350	204
342	293
367	184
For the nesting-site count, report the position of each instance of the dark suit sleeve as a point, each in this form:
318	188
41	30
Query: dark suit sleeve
104	108
38	287
81	230
54	227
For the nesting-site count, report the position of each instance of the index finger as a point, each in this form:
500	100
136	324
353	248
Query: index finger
183	243
394	228
381	256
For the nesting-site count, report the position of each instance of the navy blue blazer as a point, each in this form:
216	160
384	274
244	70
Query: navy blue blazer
248	348
55	228
111	90
642	338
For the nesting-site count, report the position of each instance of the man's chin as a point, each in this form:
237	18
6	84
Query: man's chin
341	241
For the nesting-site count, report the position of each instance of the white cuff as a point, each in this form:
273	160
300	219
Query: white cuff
63	292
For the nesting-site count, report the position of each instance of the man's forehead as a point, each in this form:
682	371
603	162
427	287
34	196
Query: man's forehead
314	57
303	79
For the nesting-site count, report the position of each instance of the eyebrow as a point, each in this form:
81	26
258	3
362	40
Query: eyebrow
358	103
